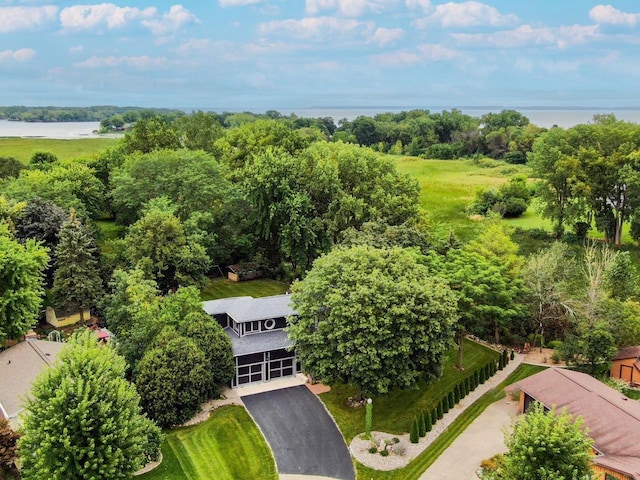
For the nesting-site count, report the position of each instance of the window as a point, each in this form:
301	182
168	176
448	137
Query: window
252	327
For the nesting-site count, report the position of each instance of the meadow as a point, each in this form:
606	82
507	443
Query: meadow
22	148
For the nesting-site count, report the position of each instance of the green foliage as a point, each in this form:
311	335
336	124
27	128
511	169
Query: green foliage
373	318
509	201
440	410
456	395
451	399
414	435
428	421
84	420
21	277
40	220
10	167
445	404
42	159
149	134
422	425
76	282
547	445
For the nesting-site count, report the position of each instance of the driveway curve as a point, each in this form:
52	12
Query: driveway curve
303	436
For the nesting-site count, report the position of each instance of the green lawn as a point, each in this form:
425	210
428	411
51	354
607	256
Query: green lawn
228	446
416	468
394	412
223	288
22	148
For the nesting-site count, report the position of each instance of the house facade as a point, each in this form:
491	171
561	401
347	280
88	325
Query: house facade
261	348
626	365
613	420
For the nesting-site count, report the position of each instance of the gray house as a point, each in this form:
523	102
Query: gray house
256	328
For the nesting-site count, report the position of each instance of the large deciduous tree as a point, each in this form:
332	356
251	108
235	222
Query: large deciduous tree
21	284
549	445
372	318
84	420
76	282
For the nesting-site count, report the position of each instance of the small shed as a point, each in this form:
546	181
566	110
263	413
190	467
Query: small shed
626	365
65	319
241	272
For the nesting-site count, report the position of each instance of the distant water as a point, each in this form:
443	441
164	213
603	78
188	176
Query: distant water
61	130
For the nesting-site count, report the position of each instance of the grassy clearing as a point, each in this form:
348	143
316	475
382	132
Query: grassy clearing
228	446
223	288
448	186
22	148
394	412
417	467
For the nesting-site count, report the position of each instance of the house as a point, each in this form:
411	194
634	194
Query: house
613	420
66	319
261	347
19	367
626	365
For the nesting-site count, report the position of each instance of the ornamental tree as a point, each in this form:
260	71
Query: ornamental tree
84	420
547	445
372	318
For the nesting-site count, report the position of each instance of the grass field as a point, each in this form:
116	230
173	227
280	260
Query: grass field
416	468
22	148
228	446
449	186
223	288
394	412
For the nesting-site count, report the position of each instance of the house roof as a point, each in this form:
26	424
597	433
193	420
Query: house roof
247	309
19	367
628	352
612	419
626	465
259	342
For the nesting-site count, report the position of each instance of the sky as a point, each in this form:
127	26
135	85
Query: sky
285	54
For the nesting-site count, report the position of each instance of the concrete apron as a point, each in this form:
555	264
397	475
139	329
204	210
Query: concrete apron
269	386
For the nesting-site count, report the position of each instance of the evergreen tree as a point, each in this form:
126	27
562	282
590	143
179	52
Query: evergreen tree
483	376
434	416
456	395
428	421
83	420
76	283
451	400
422	424
414	436
513	355
467	386
444	404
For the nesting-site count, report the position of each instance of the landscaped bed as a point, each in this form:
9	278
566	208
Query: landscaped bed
228	446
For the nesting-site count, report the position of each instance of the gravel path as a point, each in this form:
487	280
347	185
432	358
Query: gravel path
360	448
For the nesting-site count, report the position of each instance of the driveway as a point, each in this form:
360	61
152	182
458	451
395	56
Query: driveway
482	439
303	436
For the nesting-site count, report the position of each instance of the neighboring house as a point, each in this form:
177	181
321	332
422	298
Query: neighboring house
613	420
19	367
256	328
626	365
65	319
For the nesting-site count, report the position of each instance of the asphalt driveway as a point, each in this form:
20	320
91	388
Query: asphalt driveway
302	435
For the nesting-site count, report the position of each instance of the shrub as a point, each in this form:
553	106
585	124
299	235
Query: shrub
422	428
445	404
456	395
414	436
428	426
373	450
513	355
483	376
555	344
556	357
439	411
434	416
451	400
385	453
395	440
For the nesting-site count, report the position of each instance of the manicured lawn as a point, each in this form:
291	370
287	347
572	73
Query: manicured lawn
448	186
394	412
417	467
22	148
228	446
223	288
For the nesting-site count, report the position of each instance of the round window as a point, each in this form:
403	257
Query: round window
269	324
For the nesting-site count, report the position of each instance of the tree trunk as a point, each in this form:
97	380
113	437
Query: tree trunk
497	335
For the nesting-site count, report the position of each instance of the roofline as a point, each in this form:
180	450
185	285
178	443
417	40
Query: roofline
631	474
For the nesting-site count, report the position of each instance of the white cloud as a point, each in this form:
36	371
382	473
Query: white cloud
606	14
525	35
397	59
76	49
383	36
143	62
349	8
13	19
237	3
424	5
435	52
20	55
88	17
177	17
315	27
466	14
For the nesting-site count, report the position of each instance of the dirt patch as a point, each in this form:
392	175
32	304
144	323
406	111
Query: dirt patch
538	357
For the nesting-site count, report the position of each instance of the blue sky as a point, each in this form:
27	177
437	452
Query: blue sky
283	54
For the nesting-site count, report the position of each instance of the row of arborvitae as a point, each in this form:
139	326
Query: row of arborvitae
423	422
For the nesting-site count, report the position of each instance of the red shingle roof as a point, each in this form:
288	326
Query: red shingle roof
628	352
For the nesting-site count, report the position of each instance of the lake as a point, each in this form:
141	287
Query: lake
61	130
